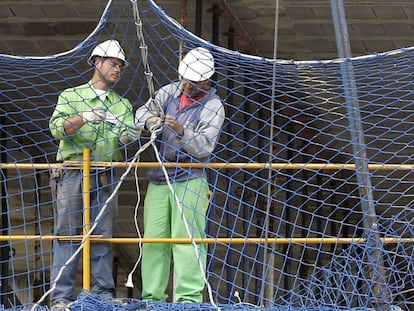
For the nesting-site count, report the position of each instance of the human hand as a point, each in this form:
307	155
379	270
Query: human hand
95	115
133	132
174	125
153	123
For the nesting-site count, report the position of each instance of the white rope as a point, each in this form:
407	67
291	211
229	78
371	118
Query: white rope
129	282
269	255
187	228
96	222
144	55
149	75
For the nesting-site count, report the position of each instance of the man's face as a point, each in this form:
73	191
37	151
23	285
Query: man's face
110	69
193	89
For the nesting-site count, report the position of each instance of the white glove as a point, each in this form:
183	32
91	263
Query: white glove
95	115
153	123
133	132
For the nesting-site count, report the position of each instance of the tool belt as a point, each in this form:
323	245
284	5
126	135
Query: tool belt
55	175
104	179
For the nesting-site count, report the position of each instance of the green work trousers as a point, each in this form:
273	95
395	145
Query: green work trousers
163	219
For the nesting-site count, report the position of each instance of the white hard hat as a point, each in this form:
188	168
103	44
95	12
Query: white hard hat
197	65
109	48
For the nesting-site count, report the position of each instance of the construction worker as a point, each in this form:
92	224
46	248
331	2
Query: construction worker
91	116
194	115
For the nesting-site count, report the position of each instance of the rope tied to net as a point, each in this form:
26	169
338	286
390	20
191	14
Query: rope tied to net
144	56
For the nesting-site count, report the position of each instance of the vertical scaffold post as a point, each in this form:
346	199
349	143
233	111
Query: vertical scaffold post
373	243
267	291
4	246
86	167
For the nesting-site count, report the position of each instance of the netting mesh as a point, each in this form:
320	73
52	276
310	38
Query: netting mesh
294	221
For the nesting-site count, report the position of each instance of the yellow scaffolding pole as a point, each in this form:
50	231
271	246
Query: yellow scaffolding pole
228	165
86	218
249	240
86	165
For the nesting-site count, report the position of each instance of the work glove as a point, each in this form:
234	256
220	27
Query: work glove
153	123
133	132
95	115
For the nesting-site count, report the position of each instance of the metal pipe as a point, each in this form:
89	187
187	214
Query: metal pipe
215	165
86	218
247	240
5	246
215	22
232	256
198	17
267	291
376	273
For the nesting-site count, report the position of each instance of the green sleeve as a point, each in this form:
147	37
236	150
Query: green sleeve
62	111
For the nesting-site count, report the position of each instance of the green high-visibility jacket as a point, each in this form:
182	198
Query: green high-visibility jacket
102	138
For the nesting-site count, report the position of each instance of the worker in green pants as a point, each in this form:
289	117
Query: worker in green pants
188	128
163	219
